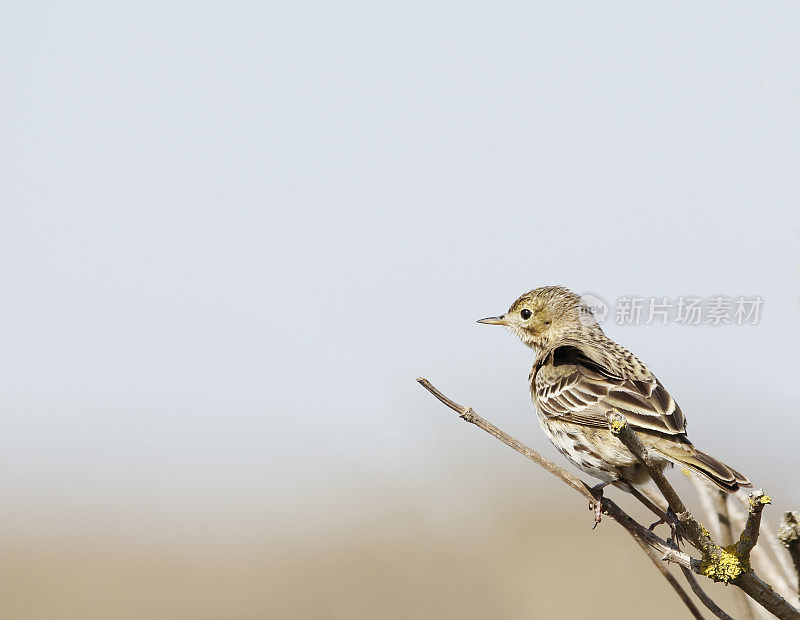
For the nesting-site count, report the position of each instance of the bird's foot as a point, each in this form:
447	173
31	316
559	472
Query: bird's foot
675	527
597	503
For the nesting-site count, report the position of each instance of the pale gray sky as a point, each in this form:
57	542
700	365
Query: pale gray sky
232	235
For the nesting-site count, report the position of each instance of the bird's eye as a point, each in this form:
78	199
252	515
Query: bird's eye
525	314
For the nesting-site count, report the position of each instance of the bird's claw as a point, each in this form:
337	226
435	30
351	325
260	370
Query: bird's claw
597	504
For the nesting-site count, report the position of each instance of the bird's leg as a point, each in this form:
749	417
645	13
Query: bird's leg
597	505
671	519
675	526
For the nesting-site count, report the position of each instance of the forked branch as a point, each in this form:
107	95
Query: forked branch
727	564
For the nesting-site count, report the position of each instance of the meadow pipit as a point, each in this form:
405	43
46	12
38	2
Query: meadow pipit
580	375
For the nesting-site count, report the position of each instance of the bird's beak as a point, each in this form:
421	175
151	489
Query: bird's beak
495	320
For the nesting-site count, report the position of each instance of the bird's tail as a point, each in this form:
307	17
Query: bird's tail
724	476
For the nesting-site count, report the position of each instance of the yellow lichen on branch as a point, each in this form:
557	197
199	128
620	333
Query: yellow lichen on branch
616	422
725	565
755	500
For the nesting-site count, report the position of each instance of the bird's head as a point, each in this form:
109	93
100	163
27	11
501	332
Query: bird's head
544	315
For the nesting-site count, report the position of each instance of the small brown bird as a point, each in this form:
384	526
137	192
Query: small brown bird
580	375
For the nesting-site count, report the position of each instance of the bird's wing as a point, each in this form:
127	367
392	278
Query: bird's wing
574	388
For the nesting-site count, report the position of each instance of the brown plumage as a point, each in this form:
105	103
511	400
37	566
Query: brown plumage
580	375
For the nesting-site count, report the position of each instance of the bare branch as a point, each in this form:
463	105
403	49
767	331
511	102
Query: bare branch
637	530
763	593
758	499
789	535
468	415
704	598
708	500
698	536
684	596
781	565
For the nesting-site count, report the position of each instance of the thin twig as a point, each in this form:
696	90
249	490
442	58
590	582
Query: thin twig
707	495
698	536
783	562
468	415
704	598
635	529
789	535
758	499
746	545
684	596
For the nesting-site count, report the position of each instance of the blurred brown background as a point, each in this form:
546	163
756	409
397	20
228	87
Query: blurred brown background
512	559
522	550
